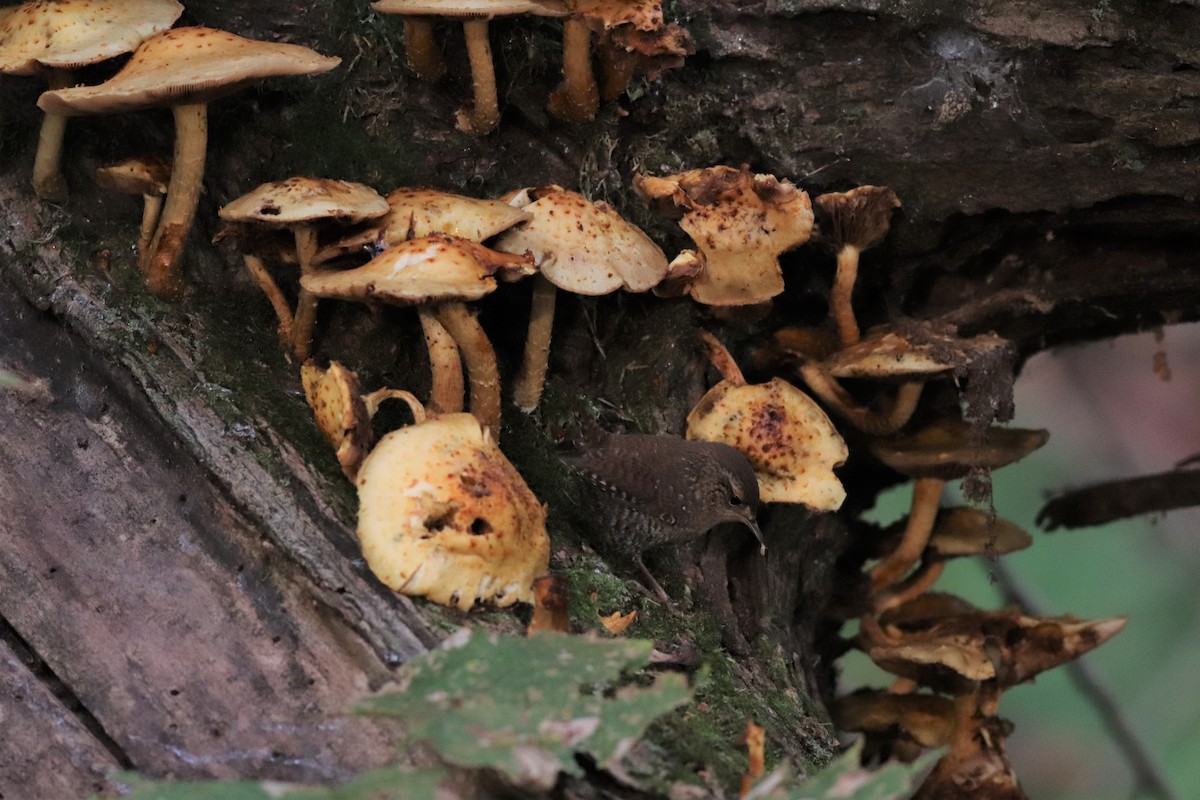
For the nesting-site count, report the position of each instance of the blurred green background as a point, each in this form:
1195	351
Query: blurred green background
1110	416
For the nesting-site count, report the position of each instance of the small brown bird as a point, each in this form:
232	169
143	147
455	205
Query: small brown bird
646	491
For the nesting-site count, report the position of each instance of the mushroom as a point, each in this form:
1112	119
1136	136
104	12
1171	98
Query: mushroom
740	222
184	69
579	246
941	452
785	435
146	176
483	117
850	222
444	515
343	413
623	50
298	204
413	213
896	724
443	272
54	38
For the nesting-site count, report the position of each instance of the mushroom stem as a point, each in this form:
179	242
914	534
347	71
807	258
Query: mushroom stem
840	305
373	400
151	210
160	262
577	97
446	390
480	359
722	360
423	54
617	68
911	587
834	395
483	116
48	181
927	493
306	304
283	309
528	389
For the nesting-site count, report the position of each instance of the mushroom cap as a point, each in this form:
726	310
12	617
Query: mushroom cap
927	719
891	355
335	397
431	269
582	247
785	435
471	8
740	222
420	212
643	15
444	515
186	65
64	34
859	218
950	449
146	175
298	200
964	531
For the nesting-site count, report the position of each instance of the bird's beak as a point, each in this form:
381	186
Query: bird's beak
752	523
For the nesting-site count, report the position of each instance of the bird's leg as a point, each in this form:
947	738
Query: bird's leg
655	588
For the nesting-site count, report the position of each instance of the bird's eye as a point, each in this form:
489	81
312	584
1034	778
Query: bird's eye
734	500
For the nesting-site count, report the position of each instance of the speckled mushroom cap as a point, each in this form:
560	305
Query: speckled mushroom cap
740	222
582	247
444	515
136	176
785	435
433	268
950	449
413	213
186	65
471	8
64	34
297	200
335	397
644	15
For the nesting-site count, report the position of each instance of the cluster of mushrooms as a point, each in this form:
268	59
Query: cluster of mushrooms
443	513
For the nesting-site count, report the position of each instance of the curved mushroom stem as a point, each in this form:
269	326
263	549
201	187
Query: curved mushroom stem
722	360
577	97
306	304
616	67
483	116
528	389
160	262
911	587
373	400
151	210
840	306
423	54
480	359
826	387
283	309
48	181
927	493
446	390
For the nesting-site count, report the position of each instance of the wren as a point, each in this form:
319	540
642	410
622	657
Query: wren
646	491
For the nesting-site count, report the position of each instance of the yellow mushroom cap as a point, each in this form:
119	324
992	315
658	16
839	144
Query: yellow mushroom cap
335	397
444	515
427	270
186	65
785	435
644	15
583	247
471	8
740	222
306	199
64	34
136	176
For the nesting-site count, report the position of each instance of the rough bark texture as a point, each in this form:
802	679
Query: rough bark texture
178	565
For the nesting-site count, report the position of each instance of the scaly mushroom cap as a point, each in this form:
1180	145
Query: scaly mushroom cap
785	435
889	355
421	212
297	200
964	531
136	176
582	247
431	269
740	222
186	65
859	218
949	449
64	34
444	515
471	8
335	397
643	15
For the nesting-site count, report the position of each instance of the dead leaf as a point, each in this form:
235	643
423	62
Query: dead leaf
616	622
